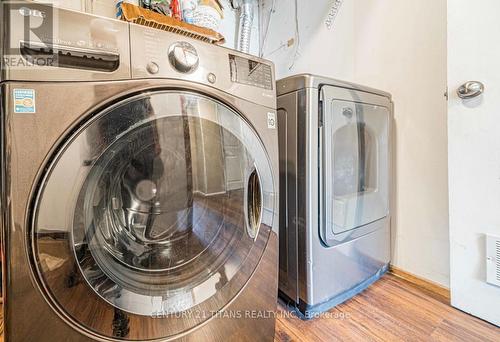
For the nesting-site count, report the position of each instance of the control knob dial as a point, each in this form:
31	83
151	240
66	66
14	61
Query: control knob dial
183	57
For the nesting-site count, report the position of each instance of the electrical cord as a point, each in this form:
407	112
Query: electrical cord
297	37
264	39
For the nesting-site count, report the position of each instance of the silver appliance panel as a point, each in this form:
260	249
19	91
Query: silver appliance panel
251	72
46	43
66	45
311	271
77	240
25	162
150	59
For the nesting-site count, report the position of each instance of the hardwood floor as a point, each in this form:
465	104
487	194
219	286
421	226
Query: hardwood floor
392	309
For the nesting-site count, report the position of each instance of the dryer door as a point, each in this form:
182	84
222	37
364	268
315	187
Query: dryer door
355	167
136	233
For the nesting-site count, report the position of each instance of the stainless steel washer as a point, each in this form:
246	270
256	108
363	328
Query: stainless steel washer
335	148
139	193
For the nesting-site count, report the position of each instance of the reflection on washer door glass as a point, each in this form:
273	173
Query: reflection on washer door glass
161	204
162	211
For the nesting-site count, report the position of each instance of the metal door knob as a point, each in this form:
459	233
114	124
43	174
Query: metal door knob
470	89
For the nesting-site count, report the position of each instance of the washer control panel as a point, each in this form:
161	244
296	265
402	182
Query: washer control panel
250	72
182	61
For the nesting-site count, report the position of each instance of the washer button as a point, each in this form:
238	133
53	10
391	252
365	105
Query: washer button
211	78
152	68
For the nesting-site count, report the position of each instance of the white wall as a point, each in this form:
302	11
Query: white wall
398	46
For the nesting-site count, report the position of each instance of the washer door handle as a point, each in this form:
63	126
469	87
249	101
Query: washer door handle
253	203
470	89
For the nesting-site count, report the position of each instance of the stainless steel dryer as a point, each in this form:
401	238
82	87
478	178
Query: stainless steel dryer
334	142
138	189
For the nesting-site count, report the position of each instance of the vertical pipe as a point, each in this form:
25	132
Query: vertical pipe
246	20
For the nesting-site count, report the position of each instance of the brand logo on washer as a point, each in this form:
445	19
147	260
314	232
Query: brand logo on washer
28	12
33	23
271	120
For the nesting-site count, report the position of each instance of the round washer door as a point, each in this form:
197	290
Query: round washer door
152	216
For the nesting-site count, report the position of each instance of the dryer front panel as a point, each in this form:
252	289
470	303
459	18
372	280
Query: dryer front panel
152	216
355	166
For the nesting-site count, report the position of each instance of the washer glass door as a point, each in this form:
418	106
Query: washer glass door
152	216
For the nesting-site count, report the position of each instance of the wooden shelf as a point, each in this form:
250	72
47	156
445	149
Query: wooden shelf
141	16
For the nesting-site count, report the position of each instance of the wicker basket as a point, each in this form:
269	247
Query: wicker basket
141	16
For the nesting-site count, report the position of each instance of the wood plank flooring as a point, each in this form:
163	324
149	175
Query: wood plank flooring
392	309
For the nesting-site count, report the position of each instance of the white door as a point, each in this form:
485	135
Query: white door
474	154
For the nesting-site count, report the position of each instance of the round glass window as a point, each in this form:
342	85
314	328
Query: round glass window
155	207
